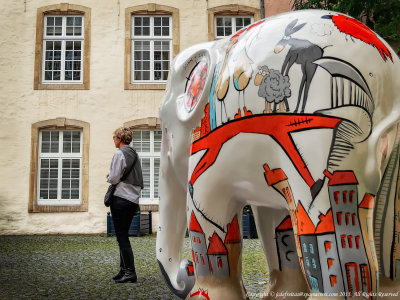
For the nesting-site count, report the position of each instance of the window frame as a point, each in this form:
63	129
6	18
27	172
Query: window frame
66	10
152	156
232	10
59	124
60	156
63	39
150	9
152	39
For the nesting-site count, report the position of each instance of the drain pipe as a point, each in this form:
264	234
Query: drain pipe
262	9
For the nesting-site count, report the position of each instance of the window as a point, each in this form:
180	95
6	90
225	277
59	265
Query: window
59	166
151	43
314	263
311	248
147	143
225	26
336	197
343	239
339	218
62	47
225	20
344	196
63	44
60	156
219	262
350	239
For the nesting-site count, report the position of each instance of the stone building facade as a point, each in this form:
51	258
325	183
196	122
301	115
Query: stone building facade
73	72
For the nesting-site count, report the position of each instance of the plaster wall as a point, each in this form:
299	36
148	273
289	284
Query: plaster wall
274	7
105	106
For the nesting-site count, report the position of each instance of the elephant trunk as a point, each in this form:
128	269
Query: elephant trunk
172	226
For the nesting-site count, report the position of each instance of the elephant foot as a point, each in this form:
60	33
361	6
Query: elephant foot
247	112
185	278
238	115
210	287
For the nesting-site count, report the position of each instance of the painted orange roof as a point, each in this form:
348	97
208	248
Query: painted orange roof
286	224
325	224
233	235
368	201
194	225
341	177
273	176
304	223
216	246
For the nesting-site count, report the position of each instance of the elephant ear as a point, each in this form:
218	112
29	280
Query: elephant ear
193	77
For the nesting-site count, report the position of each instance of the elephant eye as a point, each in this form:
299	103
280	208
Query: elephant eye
195	84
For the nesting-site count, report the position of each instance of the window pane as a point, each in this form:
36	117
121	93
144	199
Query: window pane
71	141
141	26
157	141
48	177
49	142
156	176
146	177
70	177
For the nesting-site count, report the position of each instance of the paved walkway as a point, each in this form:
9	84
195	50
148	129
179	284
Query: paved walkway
81	267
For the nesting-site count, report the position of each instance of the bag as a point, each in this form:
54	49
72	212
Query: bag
111	189
109	195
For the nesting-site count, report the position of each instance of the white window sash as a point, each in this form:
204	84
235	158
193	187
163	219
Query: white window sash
63	38
151	155
151	38
60	155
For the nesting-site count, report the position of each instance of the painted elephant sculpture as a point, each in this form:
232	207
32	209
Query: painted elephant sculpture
296	115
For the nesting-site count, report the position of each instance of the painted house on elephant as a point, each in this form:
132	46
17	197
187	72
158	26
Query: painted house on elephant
73	72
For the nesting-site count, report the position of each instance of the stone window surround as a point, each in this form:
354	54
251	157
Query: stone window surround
150	123
61	124
148	9
62	9
229	10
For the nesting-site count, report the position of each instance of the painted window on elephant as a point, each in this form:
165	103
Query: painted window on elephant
151	48
227	25
63	44
147	143
59	173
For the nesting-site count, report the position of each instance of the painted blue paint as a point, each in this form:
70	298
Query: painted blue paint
314	264
311	248
304	248
371	248
212	100
397	274
314	284
307	262
368	224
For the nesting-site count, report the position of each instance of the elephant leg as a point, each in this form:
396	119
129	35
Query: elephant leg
336	251
216	251
278	242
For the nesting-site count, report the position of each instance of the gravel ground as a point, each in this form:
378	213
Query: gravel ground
81	267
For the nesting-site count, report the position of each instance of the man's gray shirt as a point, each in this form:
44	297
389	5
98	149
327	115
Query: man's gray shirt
124	190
